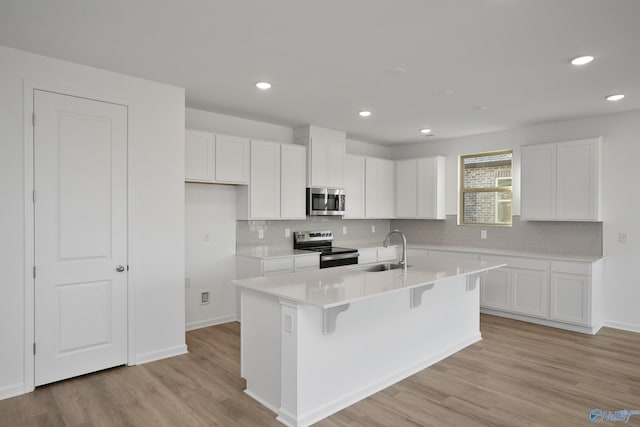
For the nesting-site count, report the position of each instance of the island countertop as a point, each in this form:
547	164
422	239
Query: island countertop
331	287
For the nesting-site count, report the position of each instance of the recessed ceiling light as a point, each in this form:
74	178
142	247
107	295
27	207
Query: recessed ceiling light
615	97
263	85
364	113
425	131
582	60
480	107
445	92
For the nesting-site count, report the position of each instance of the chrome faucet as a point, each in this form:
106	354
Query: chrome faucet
403	260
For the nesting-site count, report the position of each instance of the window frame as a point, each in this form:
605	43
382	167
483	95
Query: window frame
462	191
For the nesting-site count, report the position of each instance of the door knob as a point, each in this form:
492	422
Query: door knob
120	268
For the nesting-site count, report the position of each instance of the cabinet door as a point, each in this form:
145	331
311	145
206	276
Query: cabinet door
495	290
569	300
292	181
264	186
379	188
232	159
354	186
530	291
318	156
367	255
199	156
430	188
406	189
335	164
578	174
538	182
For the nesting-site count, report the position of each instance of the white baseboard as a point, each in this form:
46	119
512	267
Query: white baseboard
12	391
590	330
621	325
211	322
162	354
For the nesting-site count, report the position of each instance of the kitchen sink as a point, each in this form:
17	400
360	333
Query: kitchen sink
379	267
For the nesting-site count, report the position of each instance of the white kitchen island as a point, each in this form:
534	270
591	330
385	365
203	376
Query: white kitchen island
315	342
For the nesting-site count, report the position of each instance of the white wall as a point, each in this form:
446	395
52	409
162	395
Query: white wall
621	204
156	193
210	265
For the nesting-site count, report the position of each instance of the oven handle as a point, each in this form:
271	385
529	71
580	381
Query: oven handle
339	256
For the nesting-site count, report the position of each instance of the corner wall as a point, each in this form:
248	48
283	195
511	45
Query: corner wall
621	150
156	194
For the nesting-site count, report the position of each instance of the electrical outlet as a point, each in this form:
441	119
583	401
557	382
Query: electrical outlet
344	230
373	228
623	238
206	237
260	234
287	232
483	234
187	282
204	297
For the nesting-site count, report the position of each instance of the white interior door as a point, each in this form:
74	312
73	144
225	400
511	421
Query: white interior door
80	149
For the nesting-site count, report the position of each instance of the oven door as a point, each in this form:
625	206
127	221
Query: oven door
337	260
325	201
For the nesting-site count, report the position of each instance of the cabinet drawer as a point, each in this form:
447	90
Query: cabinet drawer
367	256
571	267
306	261
386	254
277	265
517	262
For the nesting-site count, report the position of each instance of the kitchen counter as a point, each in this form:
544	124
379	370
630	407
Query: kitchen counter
506	252
315	342
336	286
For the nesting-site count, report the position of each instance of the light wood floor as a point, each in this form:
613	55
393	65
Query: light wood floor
519	375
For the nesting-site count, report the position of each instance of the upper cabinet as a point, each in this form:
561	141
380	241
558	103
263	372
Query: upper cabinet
379	188
199	156
276	188
420	188
562	181
354	186
216	158
325	155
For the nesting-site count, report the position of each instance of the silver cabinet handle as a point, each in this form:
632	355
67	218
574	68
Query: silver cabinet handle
120	268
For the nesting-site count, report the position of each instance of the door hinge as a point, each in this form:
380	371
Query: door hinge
34	348
33	195
127	267
34	271
33	119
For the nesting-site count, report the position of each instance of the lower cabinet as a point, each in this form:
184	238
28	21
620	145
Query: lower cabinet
556	293
253	266
369	255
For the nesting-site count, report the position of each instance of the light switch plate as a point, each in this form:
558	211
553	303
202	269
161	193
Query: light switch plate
287	232
483	234
344	230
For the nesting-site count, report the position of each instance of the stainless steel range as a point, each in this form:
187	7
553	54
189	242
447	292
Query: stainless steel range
321	241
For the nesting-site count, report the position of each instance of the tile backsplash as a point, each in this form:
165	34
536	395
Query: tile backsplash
359	232
543	237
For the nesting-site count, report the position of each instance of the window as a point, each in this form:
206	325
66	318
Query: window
485	188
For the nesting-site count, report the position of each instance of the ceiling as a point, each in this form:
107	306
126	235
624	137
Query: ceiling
458	67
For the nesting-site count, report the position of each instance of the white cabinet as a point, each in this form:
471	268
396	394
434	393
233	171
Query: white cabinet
199	156
379	188
292	176
264	185
252	266
495	290
570	299
232	159
215	158
380	254
529	290
562	181
522	287
276	185
325	155
420	188
354	186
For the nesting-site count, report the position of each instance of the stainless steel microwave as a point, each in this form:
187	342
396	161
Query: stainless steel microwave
325	201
